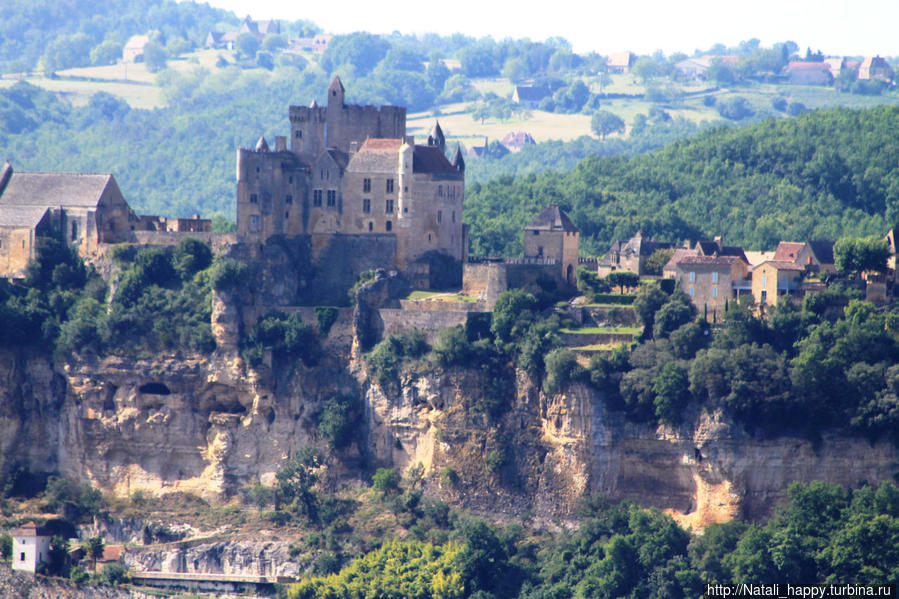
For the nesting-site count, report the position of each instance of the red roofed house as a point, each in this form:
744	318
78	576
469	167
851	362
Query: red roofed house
31	547
809	255
809	73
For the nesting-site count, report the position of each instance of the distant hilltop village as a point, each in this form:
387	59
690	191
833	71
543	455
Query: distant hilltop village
352	170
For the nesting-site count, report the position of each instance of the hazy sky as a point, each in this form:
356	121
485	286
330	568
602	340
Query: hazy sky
834	26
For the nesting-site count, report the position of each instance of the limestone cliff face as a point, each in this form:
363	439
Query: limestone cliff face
489	441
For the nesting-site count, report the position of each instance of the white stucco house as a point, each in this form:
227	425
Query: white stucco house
31	546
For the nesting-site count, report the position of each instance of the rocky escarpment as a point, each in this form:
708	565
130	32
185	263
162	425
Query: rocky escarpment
22	585
491	441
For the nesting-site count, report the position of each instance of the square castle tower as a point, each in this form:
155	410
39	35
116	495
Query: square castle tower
352	170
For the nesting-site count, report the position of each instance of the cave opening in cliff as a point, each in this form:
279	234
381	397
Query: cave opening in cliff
154	389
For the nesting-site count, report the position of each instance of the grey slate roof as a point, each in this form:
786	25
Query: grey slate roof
552	218
22	216
55	189
430	159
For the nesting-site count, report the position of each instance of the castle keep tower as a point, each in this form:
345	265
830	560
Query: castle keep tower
351	170
552	235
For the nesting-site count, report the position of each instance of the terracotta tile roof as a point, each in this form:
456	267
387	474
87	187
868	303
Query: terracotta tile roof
376	156
55	189
30	529
552	218
678	255
788	250
112	553
430	159
807	66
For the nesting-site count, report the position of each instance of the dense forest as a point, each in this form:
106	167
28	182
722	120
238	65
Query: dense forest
822	175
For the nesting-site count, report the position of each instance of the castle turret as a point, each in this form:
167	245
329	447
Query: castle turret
458	161
404	168
262	145
436	137
335	93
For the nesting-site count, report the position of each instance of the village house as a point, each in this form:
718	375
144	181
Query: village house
875	67
530	96
812	256
712	281
31	547
517	140
693	68
630	256
809	73
621	62
134	48
774	279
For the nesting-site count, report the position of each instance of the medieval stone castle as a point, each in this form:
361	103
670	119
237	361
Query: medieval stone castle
352	170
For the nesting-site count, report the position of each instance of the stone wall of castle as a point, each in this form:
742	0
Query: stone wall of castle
430	323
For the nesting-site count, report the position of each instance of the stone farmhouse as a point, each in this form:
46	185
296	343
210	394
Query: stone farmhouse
351	170
630	255
875	67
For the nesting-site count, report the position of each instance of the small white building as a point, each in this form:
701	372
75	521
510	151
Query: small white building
31	546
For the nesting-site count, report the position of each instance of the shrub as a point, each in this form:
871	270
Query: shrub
337	420
229	275
561	369
325	315
386	481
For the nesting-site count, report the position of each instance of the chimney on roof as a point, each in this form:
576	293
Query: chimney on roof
354	146
280	143
5	176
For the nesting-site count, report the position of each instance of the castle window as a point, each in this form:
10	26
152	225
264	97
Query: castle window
370	226
440	216
389	185
321	175
539	251
389	207
405	209
74	231
290	179
254	199
332	198
257	169
288	199
536	232
440	190
286	215
405	188
366	185
454	216
366	206
388	225
299	134
254	223
317	198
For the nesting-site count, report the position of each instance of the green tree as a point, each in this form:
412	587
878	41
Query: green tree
154	56
604	123
94	548
623	279
246	45
671	388
107	52
860	254
386	481
296	479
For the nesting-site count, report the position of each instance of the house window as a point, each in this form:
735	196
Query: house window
764	281
440	216
317	198
366	206
388	225
254	199
714	292
692	291
288	199
389	185
388	208
692	277
429	238
22	555
714	277
332	198
366	185
254	223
